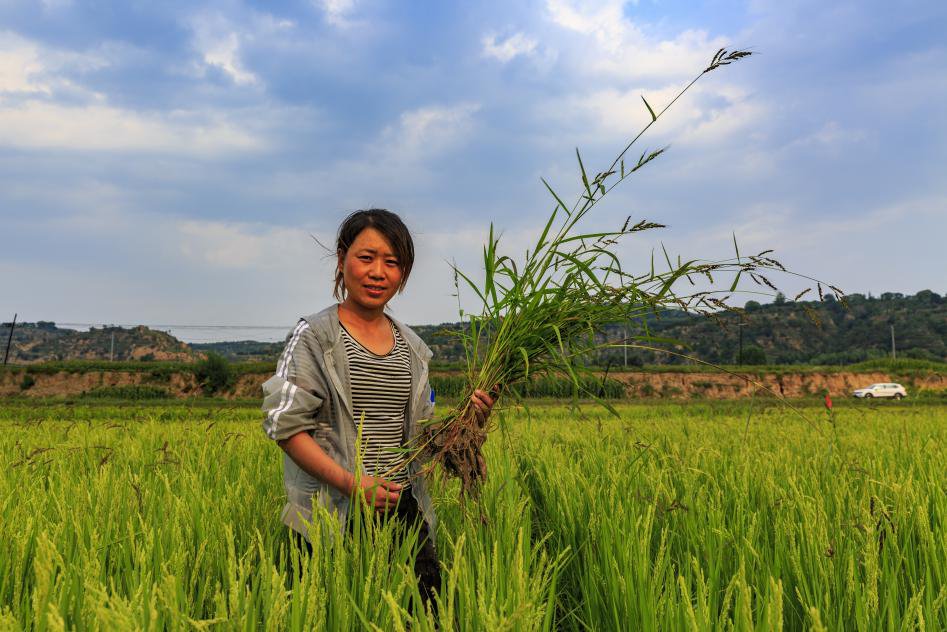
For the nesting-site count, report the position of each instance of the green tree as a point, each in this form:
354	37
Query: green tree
213	373
753	355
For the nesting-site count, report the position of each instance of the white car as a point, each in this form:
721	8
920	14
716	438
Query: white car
882	390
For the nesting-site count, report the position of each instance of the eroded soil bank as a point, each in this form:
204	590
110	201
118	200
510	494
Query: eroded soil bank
638	384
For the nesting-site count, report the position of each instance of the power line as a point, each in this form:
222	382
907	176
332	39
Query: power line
126	326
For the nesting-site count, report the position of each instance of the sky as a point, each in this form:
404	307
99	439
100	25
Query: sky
171	163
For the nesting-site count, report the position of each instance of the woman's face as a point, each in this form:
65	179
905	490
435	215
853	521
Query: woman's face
370	270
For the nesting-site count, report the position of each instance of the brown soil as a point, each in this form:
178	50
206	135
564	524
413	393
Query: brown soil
724	386
667	385
68	384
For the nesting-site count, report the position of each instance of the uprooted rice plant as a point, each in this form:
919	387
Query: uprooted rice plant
696	516
540	315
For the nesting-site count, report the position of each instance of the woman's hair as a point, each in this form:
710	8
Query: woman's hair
386	223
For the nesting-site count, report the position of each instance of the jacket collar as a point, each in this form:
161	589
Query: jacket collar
328	330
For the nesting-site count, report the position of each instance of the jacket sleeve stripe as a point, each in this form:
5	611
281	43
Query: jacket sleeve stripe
289	395
283	366
270	424
287	390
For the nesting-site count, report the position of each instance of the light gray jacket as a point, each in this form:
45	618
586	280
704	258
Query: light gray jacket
311	392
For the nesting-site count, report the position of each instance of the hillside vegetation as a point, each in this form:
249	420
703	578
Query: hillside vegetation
783	332
43	341
779	333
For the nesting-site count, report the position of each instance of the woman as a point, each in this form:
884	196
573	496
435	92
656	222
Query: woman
351	367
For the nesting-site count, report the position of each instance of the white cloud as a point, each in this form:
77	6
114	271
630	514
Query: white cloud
850	252
619	61
219	46
615	113
854	254
337	12
506	50
89	122
429	130
224	53
615	47
831	135
20	65
395	166
242	245
601	20
28	68
37	124
707	115
194	271
730	112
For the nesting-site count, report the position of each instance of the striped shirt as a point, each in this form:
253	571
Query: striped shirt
381	385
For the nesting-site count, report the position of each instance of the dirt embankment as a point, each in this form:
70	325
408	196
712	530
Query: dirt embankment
640	384
70	384
724	386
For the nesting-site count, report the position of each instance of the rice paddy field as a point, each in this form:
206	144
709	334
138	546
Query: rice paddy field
696	516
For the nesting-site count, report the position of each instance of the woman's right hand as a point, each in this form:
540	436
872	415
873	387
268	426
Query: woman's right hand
380	494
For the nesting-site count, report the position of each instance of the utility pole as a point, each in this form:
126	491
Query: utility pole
624	331
9	340
894	354
112	348
740	353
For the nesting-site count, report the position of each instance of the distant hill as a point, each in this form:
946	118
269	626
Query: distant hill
783	332
442	345
242	350
816	332
43	341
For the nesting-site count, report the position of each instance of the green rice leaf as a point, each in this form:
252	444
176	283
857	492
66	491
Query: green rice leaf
525	362
585	178
654	116
736	279
663	249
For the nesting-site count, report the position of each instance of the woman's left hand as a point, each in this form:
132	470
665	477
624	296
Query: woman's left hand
484	403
